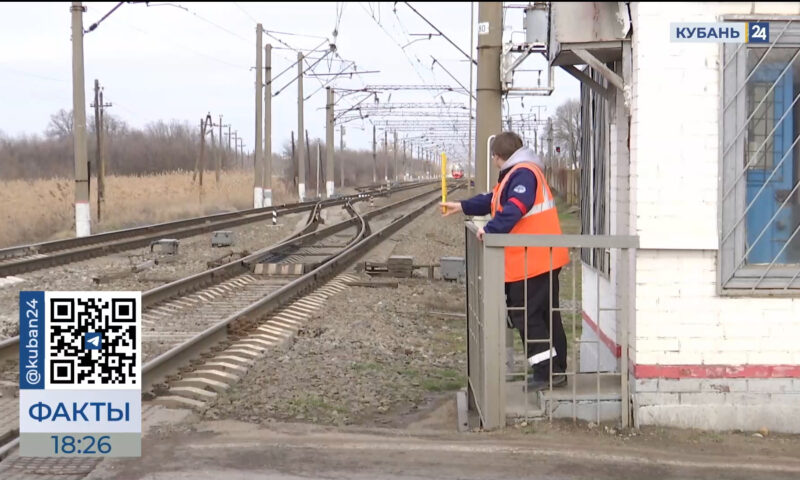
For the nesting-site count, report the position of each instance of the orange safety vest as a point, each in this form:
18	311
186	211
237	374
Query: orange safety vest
542	218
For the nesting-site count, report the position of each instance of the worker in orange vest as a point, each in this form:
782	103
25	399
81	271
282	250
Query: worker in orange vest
521	203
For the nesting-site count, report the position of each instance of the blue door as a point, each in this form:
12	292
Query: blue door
774	159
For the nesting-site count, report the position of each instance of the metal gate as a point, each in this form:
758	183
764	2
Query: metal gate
493	389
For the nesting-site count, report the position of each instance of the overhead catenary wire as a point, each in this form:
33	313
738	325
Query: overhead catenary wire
296	77
442	34
202	54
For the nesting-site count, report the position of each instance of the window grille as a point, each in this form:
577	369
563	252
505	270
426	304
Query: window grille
760	177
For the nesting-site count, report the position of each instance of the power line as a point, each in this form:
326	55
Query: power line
188	48
395	41
209	22
440	32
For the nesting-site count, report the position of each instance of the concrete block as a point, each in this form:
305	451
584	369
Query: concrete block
222	238
723	385
658	398
227	367
201	382
193	392
771	385
788	398
216	374
646	385
604	411
782	418
694	398
679	385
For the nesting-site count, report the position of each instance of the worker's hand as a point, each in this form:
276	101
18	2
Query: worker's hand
480	234
449	208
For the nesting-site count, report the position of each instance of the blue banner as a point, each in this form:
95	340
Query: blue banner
31	340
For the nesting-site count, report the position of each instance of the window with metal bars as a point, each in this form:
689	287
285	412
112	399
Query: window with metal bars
593	163
760	177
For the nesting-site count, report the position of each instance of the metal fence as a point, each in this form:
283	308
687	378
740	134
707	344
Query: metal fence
566	182
493	384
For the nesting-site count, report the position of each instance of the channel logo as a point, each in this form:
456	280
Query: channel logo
720	32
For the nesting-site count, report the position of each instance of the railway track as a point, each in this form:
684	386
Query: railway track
201	331
27	258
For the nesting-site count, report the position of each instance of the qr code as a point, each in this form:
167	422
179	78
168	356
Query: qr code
93	338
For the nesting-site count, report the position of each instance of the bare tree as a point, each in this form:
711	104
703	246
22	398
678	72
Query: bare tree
566	128
60	125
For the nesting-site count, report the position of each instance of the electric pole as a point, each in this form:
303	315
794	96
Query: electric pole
268	128
236	148
394	150
83	214
308	161
329	173
550	162
374	157
386	156
219	151
317	181
99	126
301	187
404	158
471	52
341	152
258	179
489	122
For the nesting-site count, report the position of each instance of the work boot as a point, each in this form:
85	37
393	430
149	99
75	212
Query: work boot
536	384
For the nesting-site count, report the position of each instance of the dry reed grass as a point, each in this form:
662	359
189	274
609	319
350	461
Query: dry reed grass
42	210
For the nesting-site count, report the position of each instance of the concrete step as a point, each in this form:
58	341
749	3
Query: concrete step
581	398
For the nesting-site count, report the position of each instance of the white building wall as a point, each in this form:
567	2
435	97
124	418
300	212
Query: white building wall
680	320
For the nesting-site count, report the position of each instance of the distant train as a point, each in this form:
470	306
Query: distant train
457	171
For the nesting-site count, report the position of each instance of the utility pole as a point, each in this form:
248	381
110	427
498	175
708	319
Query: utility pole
404	158
318	178
236	158
301	187
490	35
294	164
374	157
258	179
341	152
386	156
471	52
395	155
268	127
329	173
219	150
99	126
204	125
308	160
83	213
213	144
549	143
229	144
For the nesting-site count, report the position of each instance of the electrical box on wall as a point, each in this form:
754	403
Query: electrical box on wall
597	27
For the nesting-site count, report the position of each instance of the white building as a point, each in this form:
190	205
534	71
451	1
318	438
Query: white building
697	154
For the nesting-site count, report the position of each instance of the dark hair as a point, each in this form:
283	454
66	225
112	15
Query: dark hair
505	144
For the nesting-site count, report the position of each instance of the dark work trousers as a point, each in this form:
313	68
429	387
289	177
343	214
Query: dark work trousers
538	322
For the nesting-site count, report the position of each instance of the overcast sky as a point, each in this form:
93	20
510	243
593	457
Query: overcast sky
181	60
